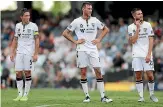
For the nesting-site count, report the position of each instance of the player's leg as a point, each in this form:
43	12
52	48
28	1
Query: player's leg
149	67
138	68
27	72
95	63
19	75
82	63
100	85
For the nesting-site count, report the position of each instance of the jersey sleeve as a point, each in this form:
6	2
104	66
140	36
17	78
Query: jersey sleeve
100	25
72	26
150	31
130	31
16	31
35	30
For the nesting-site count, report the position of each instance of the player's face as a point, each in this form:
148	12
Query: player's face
138	15
25	18
88	10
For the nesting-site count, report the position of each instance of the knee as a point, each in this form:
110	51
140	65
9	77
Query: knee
83	73
150	77
98	72
138	77
27	73
19	74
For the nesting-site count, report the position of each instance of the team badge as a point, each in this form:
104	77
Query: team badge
29	30
93	25
145	29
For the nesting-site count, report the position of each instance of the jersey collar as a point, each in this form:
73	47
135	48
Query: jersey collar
140	23
85	19
25	24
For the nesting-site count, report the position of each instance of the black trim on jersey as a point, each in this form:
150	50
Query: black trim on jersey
23	27
87	22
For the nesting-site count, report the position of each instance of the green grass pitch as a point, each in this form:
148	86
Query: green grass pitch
74	98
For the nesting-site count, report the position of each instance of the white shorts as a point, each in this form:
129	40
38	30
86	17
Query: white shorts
23	62
139	64
90	59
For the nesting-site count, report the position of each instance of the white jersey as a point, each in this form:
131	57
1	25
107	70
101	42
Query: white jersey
25	34
140	48
86	30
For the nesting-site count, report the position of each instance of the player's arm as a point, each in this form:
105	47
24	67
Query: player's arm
150	45
148	57
68	35
13	48
14	44
37	43
105	30
133	39
150	48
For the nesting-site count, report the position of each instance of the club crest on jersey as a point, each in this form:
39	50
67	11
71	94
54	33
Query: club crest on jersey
93	25
145	29
81	25
29	30
134	31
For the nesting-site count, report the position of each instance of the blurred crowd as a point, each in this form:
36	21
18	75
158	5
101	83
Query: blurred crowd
56	65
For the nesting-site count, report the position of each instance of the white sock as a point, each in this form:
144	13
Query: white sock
100	86
139	86
151	87
27	85
84	86
19	83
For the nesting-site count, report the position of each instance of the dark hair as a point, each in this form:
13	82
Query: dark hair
134	10
23	11
85	3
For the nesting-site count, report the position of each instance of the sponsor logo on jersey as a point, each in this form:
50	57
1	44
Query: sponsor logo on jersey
82	30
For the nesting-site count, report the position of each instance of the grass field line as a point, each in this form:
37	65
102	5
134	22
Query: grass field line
43	106
56	104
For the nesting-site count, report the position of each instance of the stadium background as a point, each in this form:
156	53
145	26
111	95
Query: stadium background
56	67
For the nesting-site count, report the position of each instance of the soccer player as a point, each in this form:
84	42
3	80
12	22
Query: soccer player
86	28
24	49
141	37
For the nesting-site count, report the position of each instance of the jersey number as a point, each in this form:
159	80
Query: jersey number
30	62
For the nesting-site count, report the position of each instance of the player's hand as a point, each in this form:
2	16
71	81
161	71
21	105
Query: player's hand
35	57
12	57
96	41
137	22
148	58
80	41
